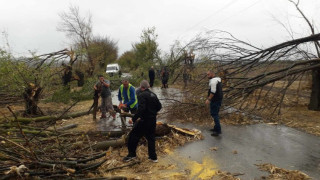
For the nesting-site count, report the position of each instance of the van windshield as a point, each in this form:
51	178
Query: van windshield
110	68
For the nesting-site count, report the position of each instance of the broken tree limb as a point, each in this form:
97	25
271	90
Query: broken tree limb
104	145
48	118
106	133
184	131
119	167
40	133
70	126
108	178
92	158
16	144
93	166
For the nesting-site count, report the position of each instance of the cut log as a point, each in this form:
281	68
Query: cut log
106	133
162	129
28	131
70	126
47	118
104	145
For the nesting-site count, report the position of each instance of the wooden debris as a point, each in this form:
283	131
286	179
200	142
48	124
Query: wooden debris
104	145
70	126
185	131
214	148
280	173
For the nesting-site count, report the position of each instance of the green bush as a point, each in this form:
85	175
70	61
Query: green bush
65	95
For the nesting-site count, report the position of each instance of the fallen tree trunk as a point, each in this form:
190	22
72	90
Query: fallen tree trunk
27	131
47	118
106	133
70	126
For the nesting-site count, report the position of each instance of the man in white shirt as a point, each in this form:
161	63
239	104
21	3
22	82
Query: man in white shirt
215	96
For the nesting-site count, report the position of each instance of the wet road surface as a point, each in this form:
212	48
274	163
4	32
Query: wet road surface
282	146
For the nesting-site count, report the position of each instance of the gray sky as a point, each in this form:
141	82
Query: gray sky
31	24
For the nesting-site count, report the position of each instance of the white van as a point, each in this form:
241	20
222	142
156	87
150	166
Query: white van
113	69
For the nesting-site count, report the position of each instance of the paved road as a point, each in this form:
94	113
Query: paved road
255	144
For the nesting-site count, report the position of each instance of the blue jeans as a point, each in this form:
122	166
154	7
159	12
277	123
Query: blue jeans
214	112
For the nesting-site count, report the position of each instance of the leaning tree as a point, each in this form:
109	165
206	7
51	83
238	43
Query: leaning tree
29	77
79	30
252	74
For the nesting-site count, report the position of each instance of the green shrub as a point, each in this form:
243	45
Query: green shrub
65	95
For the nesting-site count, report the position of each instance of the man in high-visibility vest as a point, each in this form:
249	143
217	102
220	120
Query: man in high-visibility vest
127	97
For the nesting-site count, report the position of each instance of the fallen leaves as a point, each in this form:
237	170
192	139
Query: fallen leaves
283	174
214	148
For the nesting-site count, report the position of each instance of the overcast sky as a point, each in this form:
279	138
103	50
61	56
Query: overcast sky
31	24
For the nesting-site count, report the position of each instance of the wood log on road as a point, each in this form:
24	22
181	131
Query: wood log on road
47	118
104	145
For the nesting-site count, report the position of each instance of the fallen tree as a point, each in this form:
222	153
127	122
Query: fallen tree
248	72
63	154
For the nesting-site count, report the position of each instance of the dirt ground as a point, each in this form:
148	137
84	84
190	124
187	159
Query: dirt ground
295	112
170	165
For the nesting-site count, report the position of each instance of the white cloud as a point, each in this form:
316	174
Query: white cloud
31	24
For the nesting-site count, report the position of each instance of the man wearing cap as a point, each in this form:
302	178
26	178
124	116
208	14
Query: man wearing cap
149	105
127	97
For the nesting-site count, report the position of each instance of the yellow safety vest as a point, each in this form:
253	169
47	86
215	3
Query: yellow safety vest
128	94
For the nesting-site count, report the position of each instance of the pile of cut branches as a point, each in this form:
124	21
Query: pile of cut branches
41	150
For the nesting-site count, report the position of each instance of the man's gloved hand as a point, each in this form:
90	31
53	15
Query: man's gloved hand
122	106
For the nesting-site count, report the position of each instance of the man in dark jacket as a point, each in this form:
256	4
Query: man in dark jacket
148	106
165	77
151	76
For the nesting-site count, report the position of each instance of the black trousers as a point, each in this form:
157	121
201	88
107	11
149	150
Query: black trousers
151	82
146	128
